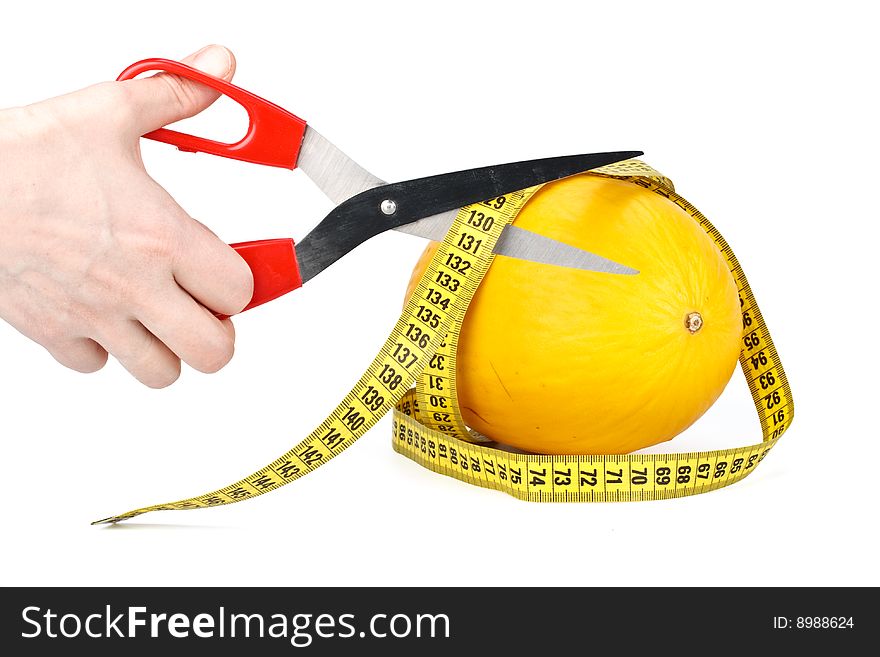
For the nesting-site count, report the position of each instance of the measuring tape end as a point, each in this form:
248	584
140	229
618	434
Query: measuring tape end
112	520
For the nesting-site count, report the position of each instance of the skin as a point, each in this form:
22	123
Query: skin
97	258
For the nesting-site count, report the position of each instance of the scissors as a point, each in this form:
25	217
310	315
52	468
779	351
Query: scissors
366	205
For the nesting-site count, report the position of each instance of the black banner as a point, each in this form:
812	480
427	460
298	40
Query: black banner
433	621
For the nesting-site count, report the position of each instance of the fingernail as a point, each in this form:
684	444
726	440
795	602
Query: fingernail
215	60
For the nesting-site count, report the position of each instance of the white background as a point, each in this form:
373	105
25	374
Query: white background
763	113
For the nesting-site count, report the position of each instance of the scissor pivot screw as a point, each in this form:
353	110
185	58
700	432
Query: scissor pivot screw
388	206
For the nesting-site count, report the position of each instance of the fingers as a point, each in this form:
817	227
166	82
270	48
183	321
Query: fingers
145	357
165	98
151	349
190	331
80	354
212	272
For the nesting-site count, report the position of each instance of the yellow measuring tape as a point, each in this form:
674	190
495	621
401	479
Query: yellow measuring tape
428	427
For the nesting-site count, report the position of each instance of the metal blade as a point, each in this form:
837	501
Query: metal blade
334	172
340	178
382	208
526	245
520	243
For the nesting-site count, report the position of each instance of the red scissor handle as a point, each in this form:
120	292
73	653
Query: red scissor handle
275	269
273	137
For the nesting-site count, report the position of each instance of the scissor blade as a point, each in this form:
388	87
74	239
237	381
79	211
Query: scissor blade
523	244
332	171
340	178
382	208
526	245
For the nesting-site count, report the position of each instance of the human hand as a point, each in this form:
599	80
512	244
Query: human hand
95	256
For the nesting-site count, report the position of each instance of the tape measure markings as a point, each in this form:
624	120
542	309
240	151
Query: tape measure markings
435	390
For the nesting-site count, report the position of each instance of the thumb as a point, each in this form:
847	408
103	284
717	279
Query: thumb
165	98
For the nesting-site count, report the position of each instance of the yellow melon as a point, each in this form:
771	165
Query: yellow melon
562	361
